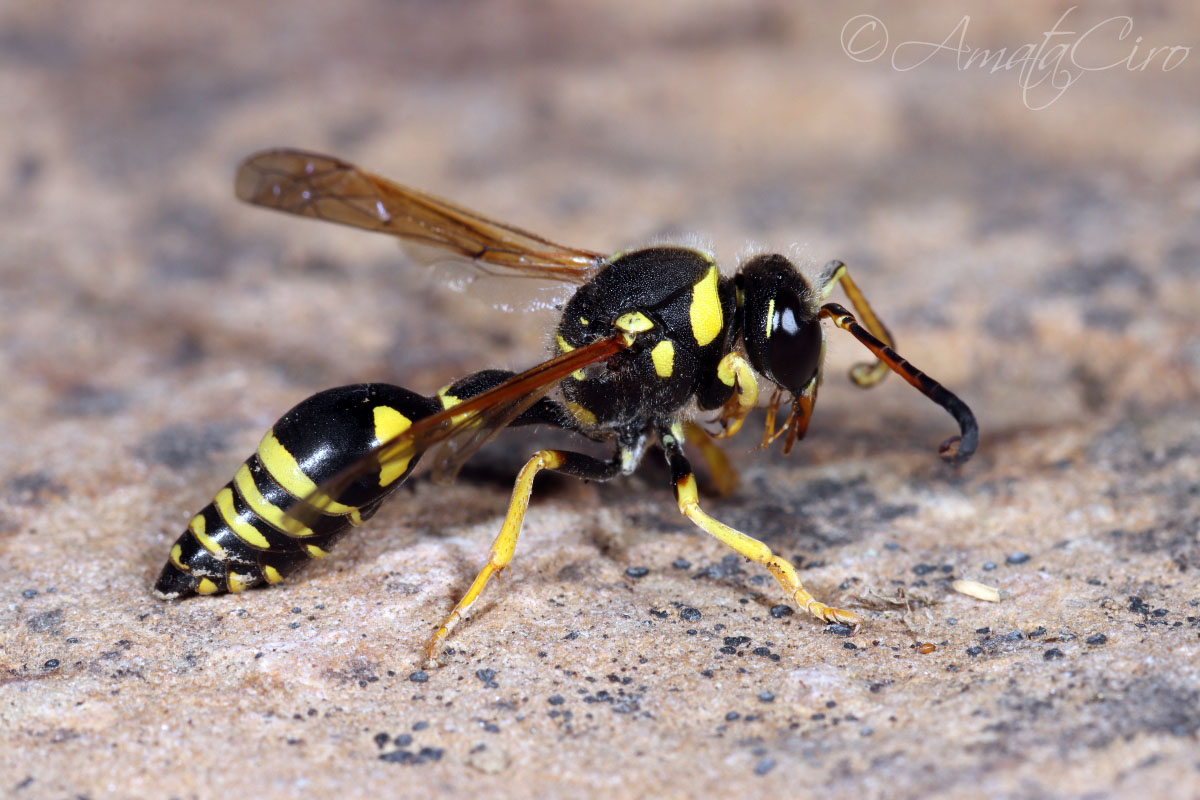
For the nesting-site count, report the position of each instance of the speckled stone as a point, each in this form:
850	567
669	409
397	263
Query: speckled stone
1044	264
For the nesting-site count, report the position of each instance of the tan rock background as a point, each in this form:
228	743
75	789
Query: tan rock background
1045	264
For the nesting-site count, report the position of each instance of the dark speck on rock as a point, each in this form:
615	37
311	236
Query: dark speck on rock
780	611
849	645
766	697
974	650
556	700
1053	654
1097	639
1017	558
420	726
51	664
764	766
381	739
487	677
1138	606
923	569
681	563
838	629
988	566
736	641
637	572
689	614
420	676
732	716
29	594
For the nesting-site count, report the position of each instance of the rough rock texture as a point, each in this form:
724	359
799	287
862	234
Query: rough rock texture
1045	264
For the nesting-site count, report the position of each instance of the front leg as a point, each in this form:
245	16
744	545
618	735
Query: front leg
748	546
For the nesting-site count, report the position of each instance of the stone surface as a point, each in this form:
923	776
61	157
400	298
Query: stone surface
1045	264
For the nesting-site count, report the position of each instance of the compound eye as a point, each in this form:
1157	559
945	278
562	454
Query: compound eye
793	342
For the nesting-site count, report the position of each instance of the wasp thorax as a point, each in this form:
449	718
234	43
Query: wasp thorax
781	330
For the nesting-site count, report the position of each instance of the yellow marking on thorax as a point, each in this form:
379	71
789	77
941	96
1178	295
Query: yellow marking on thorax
271	574
663	356
390	423
581	414
206	587
633	322
770	316
243	529
176	561
583	321
314	551
705	313
196	526
282	466
273	514
565	347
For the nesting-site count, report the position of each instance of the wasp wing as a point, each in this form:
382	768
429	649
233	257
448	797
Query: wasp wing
461	429
313	185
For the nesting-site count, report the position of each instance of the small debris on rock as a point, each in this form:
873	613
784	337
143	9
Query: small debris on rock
637	572
1017	558
689	614
1097	639
780	611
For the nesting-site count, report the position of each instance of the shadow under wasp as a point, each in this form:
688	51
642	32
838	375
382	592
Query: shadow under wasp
648	335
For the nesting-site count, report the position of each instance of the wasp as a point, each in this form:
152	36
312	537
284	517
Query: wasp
649	337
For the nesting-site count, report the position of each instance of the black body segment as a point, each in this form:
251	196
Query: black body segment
689	308
244	537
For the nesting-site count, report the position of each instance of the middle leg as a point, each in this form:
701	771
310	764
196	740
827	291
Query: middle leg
575	464
689	505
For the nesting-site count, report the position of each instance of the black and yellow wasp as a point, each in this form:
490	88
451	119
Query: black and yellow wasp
649	336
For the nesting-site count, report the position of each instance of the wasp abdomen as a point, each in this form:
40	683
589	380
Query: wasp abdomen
245	536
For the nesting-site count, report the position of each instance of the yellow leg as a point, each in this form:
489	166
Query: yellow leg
753	549
865	375
502	547
724	476
735	371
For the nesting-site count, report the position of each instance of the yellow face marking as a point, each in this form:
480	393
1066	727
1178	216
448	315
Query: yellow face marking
705	313
196	526
268	511
271	574
206	587
314	551
585	417
176	553
770	316
663	356
390	423
563	345
244	530
633	322
238	582
282	466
